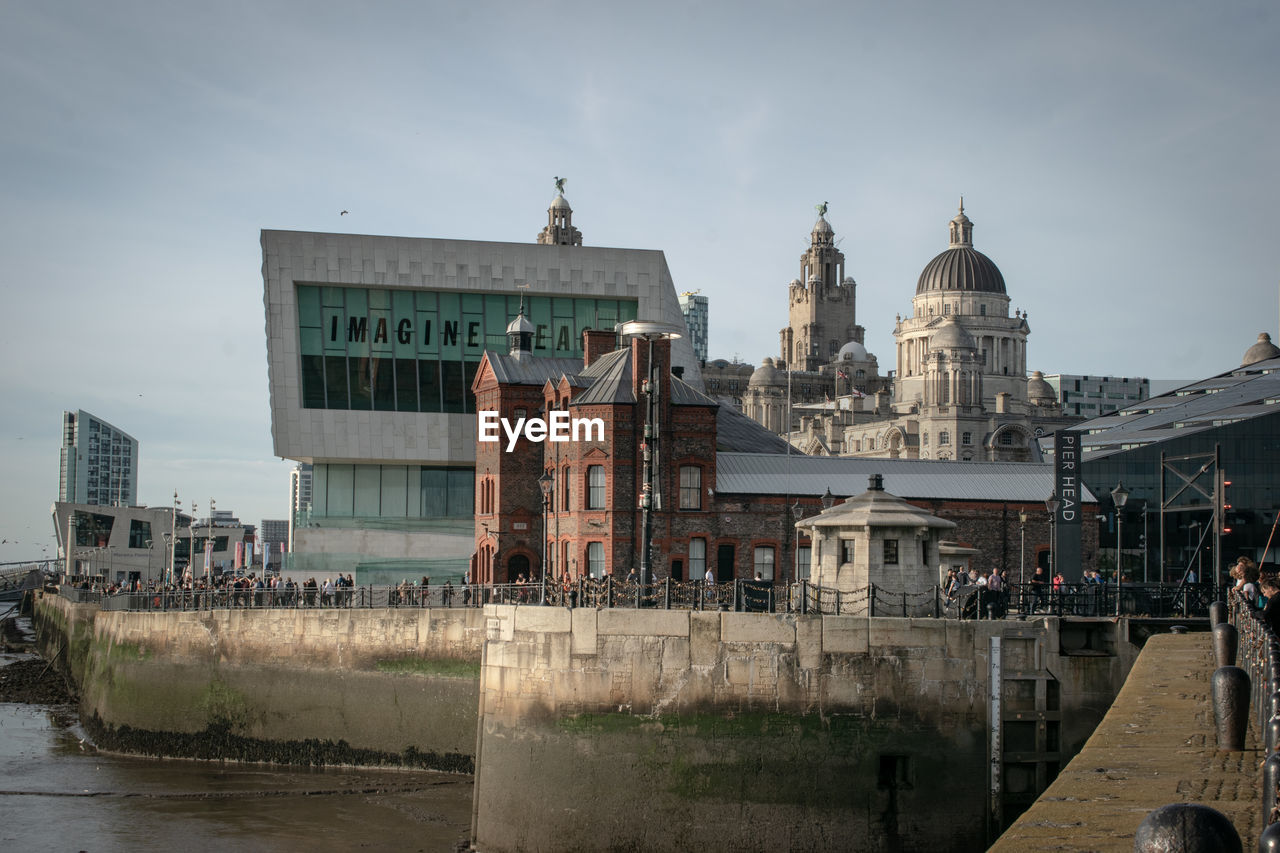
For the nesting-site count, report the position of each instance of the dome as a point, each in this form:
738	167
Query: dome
559	203
1261	351
961	269
767	374
1039	389
822	226
520	325
951	335
852	351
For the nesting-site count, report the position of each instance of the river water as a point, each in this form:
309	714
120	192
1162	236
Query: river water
58	793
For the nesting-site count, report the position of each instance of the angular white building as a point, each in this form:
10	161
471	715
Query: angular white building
372	345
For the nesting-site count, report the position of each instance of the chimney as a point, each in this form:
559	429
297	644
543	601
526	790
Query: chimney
875	483
640	364
596	343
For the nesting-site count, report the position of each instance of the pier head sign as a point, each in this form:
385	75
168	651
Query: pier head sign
1069	489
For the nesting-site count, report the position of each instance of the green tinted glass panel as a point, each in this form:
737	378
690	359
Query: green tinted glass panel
418	350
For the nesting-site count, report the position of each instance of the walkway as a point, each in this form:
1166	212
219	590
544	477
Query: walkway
1156	746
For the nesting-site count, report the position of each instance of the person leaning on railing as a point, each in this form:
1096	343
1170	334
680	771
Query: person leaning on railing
1271	611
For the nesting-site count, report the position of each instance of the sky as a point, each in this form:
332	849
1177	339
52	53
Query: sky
1118	161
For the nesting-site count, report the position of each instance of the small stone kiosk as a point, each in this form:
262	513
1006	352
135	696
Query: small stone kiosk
877	539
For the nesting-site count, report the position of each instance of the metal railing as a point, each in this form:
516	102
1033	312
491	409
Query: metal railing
1258	653
972	602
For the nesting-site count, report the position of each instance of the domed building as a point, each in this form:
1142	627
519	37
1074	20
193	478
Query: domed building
961	390
965	285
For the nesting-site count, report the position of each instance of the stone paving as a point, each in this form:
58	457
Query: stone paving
1155	746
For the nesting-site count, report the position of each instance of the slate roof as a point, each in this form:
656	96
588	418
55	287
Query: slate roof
737	432
610	380
530	371
915	479
1242	394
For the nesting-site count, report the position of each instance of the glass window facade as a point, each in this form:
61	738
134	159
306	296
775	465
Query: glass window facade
1250	460
368	349
392	492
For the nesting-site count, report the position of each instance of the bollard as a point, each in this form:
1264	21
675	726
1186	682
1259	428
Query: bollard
1273	735
1270	781
1230	707
1273	706
1225	640
1269	840
1186	828
1217	613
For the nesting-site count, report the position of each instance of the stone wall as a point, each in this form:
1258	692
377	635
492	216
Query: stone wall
385	686
666	730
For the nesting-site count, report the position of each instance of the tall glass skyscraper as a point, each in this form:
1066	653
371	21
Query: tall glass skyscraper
98	464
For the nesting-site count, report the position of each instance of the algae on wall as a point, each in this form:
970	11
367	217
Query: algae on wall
143	691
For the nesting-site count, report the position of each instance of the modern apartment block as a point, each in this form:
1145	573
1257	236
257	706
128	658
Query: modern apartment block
98	462
696	311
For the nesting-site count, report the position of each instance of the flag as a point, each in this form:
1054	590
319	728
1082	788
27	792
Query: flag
248	553
208	555
266	559
239	563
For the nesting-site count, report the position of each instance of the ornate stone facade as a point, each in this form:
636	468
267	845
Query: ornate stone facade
822	304
961	391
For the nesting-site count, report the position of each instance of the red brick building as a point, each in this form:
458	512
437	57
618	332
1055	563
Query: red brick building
738	526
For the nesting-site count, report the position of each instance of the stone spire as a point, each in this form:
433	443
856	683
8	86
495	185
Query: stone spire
961	230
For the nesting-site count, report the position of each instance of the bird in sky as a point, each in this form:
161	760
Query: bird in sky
343	213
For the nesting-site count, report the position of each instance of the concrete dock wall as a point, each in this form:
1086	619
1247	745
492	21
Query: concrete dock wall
666	730
302	686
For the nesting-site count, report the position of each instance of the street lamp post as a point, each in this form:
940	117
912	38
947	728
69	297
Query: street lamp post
651	387
797	513
544	483
1022	548
1051	504
1120	496
173	535
191	553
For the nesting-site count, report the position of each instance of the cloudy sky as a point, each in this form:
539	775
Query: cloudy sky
1118	161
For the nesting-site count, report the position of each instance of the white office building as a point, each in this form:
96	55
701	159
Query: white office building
1094	396
372	347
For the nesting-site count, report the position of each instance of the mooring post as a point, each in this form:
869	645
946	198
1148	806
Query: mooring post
1225	641
1230	707
1217	613
1270	784
1186	828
